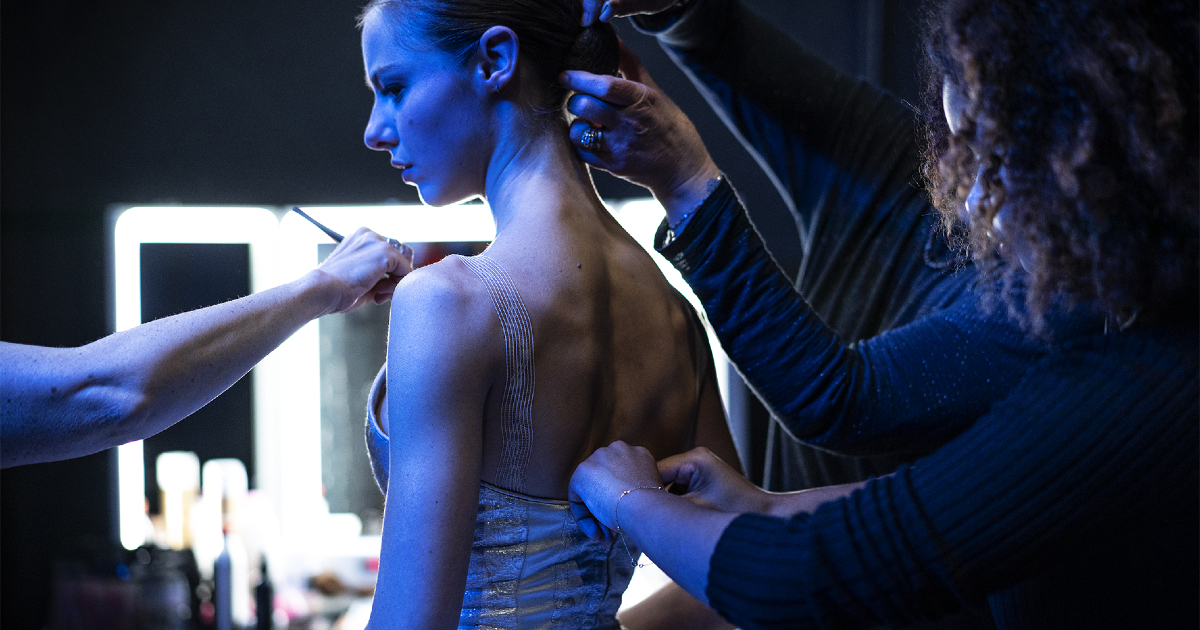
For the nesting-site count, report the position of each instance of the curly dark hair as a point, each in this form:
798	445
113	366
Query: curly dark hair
1081	124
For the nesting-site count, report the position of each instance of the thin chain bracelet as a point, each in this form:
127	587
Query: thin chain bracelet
617	521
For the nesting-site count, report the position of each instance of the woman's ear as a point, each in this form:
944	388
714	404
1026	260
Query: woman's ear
496	60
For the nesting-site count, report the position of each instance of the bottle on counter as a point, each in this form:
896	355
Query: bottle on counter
223	589
264	599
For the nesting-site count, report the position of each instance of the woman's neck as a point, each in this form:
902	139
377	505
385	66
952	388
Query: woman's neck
537	178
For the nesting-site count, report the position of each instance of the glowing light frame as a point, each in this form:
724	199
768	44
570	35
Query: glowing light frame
256	227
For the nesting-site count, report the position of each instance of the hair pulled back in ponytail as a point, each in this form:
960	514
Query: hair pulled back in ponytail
595	50
548	30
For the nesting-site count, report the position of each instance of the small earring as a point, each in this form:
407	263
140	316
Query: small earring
497	88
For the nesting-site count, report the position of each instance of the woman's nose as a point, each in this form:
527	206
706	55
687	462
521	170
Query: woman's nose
380	134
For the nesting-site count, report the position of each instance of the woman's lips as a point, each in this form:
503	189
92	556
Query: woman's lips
404	168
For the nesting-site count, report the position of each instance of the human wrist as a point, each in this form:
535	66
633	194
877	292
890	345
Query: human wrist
617	513
617	503
319	292
680	199
771	504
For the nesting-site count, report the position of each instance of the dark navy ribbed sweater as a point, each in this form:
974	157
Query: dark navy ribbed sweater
1069	497
1062	484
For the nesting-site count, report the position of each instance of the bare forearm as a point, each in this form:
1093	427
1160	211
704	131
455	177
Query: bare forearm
68	402
788	504
183	362
655	520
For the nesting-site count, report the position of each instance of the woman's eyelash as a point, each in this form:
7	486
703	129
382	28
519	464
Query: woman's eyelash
392	90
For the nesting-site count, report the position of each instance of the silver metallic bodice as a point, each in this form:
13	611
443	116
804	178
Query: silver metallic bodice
531	566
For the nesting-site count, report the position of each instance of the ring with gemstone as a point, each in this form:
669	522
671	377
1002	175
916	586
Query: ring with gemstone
591	138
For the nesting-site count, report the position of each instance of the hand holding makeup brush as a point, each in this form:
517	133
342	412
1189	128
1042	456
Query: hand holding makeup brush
364	268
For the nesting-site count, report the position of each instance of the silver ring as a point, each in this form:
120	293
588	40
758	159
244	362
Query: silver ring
591	138
403	248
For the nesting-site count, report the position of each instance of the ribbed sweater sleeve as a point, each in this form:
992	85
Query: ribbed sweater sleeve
843	155
908	389
1100	437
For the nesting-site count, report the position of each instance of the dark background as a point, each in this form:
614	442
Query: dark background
251	103
223	427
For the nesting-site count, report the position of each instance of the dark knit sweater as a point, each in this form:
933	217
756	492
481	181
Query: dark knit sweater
1062	482
1070	499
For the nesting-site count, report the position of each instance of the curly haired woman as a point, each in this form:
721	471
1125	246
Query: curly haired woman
1053	381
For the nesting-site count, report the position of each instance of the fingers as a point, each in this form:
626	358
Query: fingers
605	11
384	289
686	468
599	10
612	90
365	268
588	523
597	156
593	110
672	469
591	11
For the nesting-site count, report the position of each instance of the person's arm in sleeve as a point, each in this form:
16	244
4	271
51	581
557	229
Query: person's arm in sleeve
1095	439
908	389
60	403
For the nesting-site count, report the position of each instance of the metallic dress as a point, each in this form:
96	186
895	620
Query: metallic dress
531	566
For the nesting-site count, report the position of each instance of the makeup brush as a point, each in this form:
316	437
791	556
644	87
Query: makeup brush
404	249
333	235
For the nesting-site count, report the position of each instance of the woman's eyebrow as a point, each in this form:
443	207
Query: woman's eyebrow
373	79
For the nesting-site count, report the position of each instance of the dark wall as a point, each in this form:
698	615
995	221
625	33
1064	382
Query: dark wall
234	102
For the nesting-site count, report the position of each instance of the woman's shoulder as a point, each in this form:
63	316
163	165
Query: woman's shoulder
445	295
447	279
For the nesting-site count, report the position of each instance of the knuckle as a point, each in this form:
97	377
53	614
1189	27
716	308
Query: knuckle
611	88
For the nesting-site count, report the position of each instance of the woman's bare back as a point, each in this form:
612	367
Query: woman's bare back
618	353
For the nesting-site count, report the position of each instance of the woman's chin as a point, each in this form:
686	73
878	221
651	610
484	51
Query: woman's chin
437	198
430	197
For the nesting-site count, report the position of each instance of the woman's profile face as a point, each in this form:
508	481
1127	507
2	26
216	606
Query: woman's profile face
426	114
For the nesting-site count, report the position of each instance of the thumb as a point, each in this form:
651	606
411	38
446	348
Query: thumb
676	469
